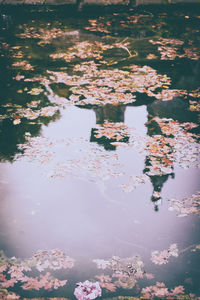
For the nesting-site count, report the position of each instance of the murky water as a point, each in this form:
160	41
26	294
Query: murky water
99	152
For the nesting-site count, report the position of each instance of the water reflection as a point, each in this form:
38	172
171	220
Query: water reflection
88	178
111	115
110	118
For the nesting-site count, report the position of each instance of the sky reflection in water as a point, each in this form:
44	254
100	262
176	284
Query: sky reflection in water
93	180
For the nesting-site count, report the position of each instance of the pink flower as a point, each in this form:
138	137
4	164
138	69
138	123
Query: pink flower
87	290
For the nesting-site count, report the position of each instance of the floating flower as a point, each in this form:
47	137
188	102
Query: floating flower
87	290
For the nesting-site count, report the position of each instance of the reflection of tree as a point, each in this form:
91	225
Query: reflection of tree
13	103
29	116
12	135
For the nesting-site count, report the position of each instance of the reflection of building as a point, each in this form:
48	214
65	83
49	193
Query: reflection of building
158	164
113	127
109	113
158	182
162	110
159	161
109	118
115	115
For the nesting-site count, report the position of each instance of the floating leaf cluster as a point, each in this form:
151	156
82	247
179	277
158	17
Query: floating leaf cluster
81	50
126	270
117	22
73	158
183	143
24	65
14	271
114	86
160	156
112	131
16	113
168	94
134	181
88	49
194	105
53	260
160	291
169	49
186	206
161	257
45	35
176	145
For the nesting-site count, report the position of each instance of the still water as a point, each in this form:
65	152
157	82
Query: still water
99	152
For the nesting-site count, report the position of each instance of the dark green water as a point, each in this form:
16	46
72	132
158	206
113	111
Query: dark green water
99	151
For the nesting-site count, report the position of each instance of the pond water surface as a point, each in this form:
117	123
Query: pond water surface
99	152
